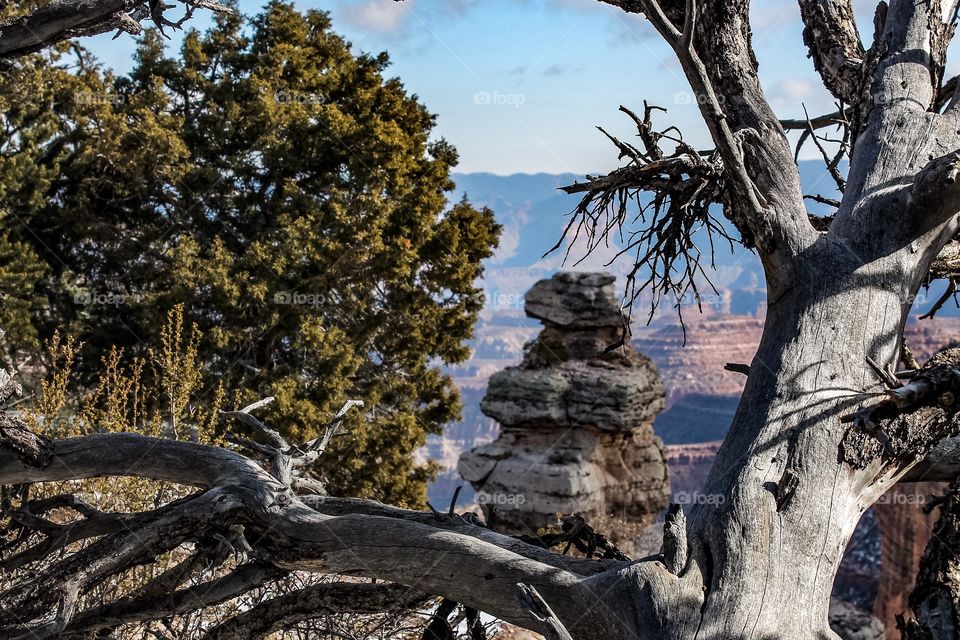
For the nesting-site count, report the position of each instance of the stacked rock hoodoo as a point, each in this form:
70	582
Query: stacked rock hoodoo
576	417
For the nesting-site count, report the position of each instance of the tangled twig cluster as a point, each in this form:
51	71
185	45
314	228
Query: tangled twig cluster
673	190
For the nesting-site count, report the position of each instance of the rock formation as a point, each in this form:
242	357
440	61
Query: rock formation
576	419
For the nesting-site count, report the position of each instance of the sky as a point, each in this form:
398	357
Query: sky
519	86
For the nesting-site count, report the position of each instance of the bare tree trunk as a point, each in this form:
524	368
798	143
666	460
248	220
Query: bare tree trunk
786	504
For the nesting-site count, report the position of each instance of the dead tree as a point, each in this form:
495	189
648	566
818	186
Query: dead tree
824	426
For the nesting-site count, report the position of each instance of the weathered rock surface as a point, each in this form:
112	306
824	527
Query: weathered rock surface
576	420
574	301
851	623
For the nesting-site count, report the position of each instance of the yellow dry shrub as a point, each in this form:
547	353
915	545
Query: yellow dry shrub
171	406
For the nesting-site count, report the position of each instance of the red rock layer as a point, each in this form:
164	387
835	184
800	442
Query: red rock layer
904	533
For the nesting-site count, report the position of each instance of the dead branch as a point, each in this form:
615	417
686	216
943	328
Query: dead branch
576	533
673	192
61	20
831	35
315	601
531	600
737	367
761	188
832	162
816	197
911	419
948	293
243	512
674	550
234	584
44	604
533	548
287	463
818	122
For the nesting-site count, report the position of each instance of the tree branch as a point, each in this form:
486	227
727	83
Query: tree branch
232	585
763	196
909	422
818	122
468	524
935	194
831	35
466	563
685	185
903	70
531	600
44	605
61	20
941	464
313	602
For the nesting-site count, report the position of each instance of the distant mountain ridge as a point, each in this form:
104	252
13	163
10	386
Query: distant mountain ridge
534	212
534	205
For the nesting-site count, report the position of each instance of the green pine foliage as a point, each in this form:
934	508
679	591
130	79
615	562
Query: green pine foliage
280	187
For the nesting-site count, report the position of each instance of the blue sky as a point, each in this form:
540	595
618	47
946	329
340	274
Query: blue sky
519	85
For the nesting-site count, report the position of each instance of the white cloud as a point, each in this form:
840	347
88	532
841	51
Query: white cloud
791	94
377	15
794	88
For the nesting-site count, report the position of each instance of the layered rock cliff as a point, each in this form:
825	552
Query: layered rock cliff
576	418
905	531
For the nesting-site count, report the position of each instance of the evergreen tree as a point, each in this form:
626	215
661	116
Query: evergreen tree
281	188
